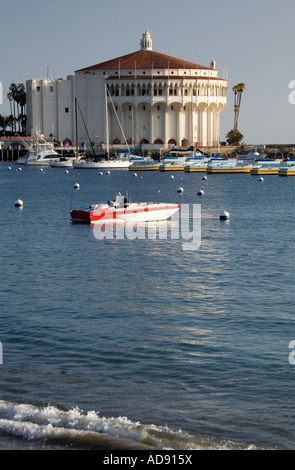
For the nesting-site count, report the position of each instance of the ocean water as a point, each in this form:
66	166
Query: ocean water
138	343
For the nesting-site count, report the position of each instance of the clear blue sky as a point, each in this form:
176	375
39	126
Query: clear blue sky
254	39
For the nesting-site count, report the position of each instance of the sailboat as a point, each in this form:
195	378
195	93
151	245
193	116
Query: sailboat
117	163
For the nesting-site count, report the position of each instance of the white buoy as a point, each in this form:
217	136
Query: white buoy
77	186
108	173
180	189
201	192
66	172
134	174
9	168
172	177
260	179
224	215
101	173
18	203
204	178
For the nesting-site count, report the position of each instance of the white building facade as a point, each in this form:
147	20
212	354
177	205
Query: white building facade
152	98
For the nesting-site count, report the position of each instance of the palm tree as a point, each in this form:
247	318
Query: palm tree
6	121
234	137
238	90
11	96
17	99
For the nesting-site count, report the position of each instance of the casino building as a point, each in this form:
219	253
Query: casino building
144	97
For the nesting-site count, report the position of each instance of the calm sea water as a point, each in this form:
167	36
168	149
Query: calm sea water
126	343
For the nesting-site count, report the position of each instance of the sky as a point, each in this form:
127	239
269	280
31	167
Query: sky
251	41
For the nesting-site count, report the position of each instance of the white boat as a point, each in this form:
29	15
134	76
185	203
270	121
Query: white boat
251	156
121	209
63	162
90	163
41	153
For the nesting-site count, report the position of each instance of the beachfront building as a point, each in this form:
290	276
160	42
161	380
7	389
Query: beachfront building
152	98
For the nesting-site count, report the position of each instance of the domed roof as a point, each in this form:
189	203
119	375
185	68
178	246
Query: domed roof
145	58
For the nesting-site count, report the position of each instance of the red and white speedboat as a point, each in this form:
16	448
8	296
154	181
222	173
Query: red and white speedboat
122	210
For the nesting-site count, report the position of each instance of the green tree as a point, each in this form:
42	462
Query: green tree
6	121
234	137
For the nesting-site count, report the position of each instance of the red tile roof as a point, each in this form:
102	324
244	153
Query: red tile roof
143	60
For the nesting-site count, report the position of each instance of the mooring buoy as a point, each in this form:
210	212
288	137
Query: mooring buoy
224	215
18	203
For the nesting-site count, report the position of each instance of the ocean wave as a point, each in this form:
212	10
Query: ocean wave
79	429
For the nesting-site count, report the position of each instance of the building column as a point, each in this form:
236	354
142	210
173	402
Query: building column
209	125
151	124
166	127
180	126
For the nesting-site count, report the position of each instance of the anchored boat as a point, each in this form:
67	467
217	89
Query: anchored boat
123	210
266	167
230	166
287	168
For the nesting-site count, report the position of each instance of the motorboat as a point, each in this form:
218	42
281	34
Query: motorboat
251	156
287	168
41	154
197	165
173	164
121	209
266	167
230	166
63	162
144	164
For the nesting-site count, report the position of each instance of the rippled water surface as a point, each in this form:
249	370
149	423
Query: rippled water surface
139	342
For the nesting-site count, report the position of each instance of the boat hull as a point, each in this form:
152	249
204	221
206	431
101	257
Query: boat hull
229	170
144	168
286	172
257	171
192	169
171	168
107	165
41	162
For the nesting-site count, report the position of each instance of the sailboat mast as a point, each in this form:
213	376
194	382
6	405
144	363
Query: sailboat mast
107	121
76	127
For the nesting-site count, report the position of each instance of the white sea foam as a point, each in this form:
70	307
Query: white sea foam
74	426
